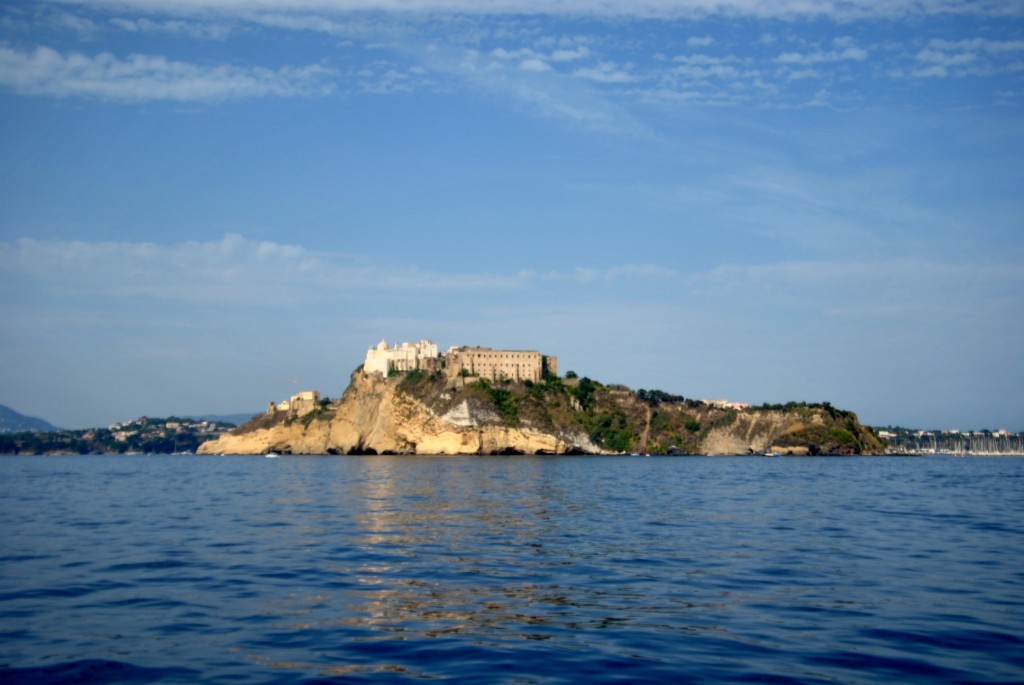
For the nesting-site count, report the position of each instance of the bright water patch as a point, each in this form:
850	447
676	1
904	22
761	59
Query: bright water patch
511	569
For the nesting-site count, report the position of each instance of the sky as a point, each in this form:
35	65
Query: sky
206	205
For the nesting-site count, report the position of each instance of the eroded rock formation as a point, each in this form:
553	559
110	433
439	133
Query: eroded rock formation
419	414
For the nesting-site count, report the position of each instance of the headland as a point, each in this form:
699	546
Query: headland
412	399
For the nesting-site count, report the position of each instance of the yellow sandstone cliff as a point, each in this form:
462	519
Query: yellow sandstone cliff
375	417
417	413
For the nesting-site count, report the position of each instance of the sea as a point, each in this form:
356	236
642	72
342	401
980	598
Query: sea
572	569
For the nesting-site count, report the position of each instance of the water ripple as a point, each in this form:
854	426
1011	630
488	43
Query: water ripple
525	570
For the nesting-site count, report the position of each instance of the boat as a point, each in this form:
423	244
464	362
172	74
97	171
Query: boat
271	455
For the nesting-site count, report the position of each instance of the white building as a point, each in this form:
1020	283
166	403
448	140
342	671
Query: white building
404	357
727	404
299	405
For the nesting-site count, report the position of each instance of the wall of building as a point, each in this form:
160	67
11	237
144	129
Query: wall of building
402	357
485	362
298	405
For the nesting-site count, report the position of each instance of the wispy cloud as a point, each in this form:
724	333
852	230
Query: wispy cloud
194	29
912	290
140	78
534	64
606	72
232	270
846	10
570	55
612	70
189	311
969	57
534	85
817	57
236	270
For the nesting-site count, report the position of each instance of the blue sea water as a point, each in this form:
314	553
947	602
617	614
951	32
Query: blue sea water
511	570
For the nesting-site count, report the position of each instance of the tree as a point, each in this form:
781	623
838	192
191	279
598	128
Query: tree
584	393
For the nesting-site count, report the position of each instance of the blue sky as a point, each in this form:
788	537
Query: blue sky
209	204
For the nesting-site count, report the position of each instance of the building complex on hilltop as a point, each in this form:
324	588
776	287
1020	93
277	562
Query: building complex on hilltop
515	365
299	405
405	357
485	362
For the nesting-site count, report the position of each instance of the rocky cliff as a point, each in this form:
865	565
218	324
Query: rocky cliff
417	413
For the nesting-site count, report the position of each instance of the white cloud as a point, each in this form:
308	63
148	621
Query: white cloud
850	53
721	71
800	74
140	78
910	290
533	60
701	59
233	269
383	77
547	93
651	272
522	53
978	44
969	57
534	64
330	23
944	59
777	70
570	55
845	10
207	317
195	29
605	72
86	28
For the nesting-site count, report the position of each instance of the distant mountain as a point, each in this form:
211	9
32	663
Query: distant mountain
234	419
13	422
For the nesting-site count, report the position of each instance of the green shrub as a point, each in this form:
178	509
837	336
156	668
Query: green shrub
612	430
842	437
584	393
505	401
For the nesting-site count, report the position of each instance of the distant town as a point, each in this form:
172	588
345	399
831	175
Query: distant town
140	436
952	442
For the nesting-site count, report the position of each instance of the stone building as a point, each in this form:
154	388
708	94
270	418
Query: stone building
402	357
484	362
299	404
515	365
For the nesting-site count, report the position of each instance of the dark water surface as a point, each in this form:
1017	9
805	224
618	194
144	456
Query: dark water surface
511	569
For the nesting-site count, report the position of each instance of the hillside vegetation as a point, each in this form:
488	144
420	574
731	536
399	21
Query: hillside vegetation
618	419
429	413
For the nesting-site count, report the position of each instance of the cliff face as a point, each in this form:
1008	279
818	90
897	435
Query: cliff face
419	414
378	416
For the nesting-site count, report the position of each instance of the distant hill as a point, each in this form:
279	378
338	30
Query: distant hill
233	419
13	422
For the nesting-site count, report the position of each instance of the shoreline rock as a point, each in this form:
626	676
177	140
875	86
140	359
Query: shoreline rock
416	414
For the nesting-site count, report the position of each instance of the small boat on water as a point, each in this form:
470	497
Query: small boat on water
271	455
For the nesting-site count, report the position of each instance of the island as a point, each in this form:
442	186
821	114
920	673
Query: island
413	399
